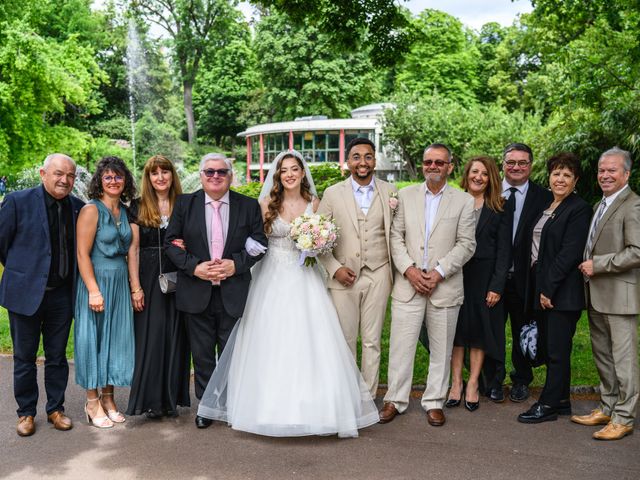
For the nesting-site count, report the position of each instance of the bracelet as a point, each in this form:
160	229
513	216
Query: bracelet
136	291
95	295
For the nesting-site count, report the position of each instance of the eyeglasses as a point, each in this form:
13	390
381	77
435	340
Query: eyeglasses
112	178
367	158
437	163
211	172
520	163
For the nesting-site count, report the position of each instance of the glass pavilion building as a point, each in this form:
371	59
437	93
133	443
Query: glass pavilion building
318	138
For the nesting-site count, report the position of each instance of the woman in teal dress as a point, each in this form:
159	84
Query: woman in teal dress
103	329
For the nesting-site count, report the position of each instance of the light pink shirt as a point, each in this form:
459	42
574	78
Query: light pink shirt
224	213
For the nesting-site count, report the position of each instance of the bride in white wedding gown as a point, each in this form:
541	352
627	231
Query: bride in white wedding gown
286	369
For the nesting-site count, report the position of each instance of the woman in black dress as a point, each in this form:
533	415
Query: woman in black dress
480	326
555	286
161	375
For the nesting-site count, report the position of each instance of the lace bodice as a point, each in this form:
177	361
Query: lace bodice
281	247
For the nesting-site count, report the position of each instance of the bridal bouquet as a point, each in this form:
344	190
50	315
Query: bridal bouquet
313	235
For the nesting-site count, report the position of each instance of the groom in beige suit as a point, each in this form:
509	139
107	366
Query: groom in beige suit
612	271
432	237
359	268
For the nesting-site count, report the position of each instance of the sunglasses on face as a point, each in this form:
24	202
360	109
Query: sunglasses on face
112	178
211	172
437	163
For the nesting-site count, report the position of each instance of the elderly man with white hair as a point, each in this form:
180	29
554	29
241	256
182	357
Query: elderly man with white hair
214	224
37	249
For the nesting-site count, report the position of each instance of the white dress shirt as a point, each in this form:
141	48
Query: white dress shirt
520	196
224	214
363	194
431	204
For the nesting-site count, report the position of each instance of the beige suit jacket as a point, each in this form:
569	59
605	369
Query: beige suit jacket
615	285
339	202
451	243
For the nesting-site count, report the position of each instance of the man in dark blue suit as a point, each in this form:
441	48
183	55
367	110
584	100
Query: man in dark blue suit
37	249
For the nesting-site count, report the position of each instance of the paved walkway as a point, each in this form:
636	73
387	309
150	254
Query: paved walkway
488	443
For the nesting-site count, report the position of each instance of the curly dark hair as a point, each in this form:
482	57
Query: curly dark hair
117	166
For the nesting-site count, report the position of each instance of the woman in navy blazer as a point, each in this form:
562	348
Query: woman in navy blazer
555	290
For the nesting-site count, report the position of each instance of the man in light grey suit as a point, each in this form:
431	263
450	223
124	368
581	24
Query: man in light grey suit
432	237
359	268
612	271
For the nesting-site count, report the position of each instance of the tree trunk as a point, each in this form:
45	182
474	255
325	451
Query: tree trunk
188	112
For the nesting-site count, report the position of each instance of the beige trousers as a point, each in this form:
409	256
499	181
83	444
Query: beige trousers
614	341
363	307
406	321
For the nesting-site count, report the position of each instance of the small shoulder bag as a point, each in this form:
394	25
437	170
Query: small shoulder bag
169	280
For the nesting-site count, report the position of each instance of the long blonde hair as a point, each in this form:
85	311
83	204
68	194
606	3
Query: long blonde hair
148	211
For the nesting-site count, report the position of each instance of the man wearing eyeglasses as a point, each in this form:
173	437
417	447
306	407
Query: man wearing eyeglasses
214	265
37	249
524	202
432	237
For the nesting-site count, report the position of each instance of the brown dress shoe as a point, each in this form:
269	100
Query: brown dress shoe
613	431
60	421
26	426
435	417
388	412
596	417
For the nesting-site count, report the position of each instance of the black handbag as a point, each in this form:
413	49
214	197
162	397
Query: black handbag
168	281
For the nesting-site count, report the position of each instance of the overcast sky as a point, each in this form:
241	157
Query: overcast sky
473	13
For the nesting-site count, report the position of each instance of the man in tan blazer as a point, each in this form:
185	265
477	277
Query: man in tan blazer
612	271
432	237
359	268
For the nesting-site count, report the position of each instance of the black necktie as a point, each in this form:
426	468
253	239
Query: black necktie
510	204
63	265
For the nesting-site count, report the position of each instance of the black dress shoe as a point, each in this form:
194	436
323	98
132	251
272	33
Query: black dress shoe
202	422
496	395
519	393
538	413
152	414
451	403
471	406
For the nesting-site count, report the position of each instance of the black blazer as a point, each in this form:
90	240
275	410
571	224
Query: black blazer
25	249
535	202
562	243
493	241
188	223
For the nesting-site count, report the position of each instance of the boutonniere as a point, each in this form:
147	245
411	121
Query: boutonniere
393	201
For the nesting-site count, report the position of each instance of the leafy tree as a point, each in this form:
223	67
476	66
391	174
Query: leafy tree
226	79
40	78
417	121
302	73
191	25
378	26
443	58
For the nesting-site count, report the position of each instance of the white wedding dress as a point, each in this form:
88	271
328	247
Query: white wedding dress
286	369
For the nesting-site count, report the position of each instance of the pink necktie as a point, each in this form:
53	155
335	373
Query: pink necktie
217	237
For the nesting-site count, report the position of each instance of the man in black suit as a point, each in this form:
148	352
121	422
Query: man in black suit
525	201
214	266
37	249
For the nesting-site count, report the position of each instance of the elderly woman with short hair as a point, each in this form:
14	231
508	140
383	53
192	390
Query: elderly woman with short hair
555	292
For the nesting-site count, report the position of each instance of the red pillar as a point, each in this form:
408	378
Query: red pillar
341	147
261	158
248	159
290	139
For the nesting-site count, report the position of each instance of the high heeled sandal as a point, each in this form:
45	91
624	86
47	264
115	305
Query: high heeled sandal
98	422
114	415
